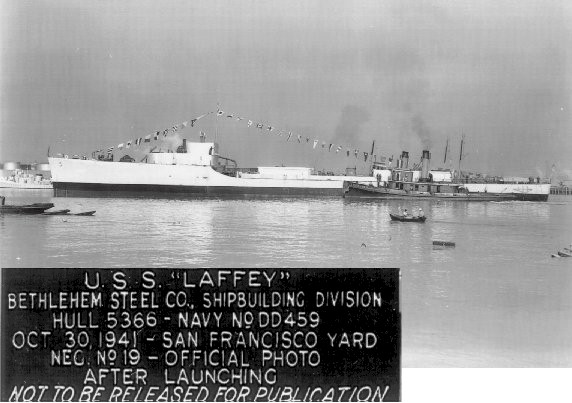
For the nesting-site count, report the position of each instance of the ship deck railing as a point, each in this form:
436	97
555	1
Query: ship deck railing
497	181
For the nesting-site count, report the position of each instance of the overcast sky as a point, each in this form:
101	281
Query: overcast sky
82	75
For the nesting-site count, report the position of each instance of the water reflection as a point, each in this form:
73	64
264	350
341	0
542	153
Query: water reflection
488	300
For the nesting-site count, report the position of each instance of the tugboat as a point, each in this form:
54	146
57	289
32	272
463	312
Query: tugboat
421	182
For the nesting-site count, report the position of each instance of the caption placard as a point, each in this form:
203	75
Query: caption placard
200	335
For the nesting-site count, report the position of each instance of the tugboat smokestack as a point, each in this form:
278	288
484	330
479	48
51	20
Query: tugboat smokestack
425	159
404	159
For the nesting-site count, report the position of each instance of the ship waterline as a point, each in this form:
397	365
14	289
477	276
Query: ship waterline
66	189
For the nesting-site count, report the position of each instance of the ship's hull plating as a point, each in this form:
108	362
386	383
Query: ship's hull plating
68	189
371	192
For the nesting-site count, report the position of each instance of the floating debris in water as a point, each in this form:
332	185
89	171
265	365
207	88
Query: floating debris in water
444	243
437	245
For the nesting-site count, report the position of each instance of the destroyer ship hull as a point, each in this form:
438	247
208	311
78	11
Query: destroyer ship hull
91	178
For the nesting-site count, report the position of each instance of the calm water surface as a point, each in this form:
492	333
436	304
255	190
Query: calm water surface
497	299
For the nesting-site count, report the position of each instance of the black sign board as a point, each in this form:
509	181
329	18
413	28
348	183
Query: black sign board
200	335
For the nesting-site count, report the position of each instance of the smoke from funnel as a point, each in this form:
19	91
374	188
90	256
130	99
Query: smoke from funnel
422	131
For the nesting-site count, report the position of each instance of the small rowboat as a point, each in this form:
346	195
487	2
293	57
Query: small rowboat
36	208
396	217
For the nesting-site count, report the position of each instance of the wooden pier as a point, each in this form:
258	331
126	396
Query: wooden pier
561	190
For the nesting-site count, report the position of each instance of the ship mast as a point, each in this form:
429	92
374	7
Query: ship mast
371	156
446	149
461	155
216	121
